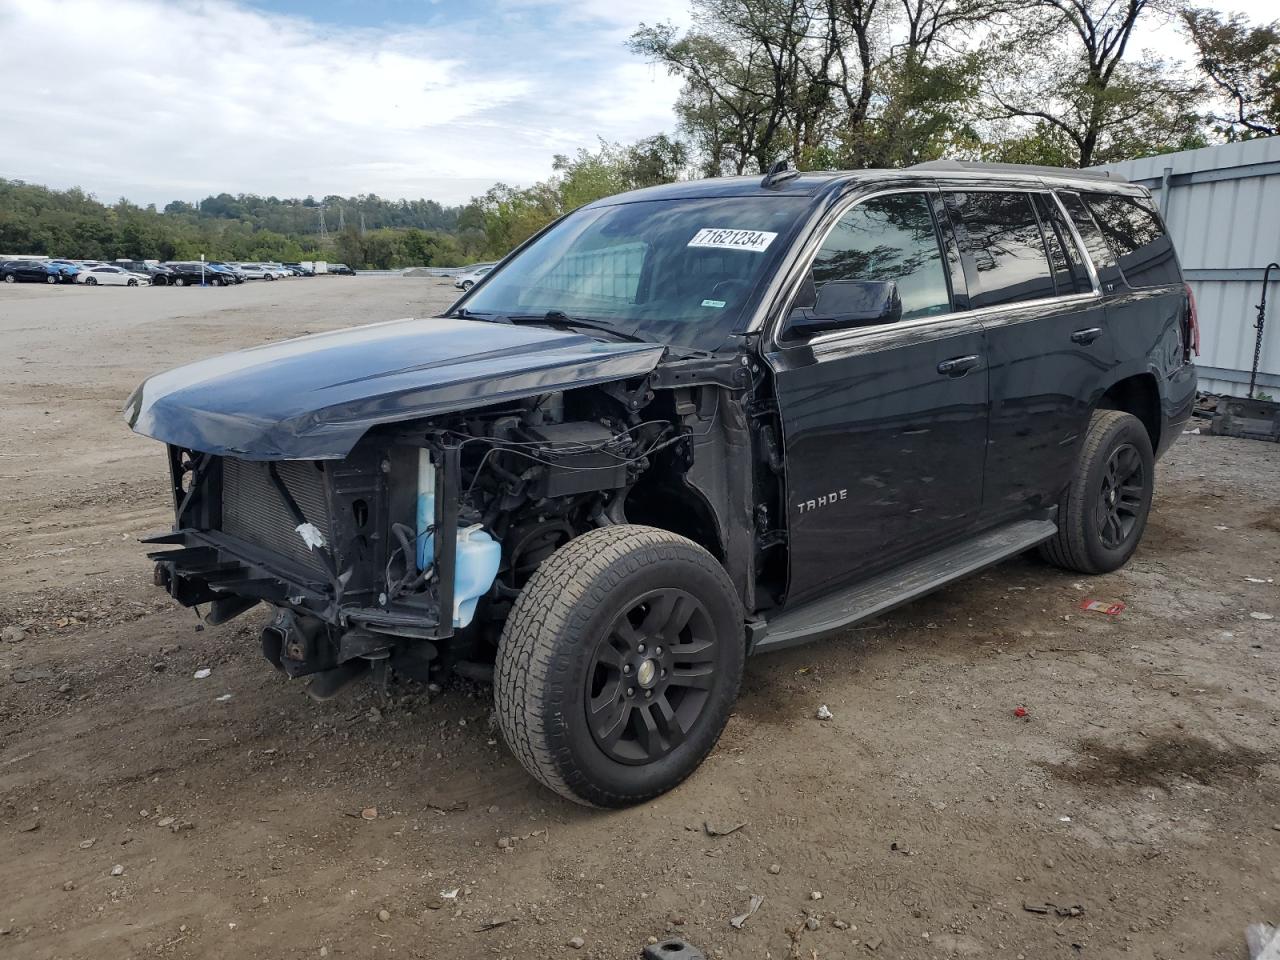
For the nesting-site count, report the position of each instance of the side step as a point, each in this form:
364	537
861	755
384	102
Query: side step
895	587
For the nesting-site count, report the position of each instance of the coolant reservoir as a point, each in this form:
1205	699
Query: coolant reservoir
426	509
477	566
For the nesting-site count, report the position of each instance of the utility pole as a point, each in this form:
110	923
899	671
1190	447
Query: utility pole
324	231
342	220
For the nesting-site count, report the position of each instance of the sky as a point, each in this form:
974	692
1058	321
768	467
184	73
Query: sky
157	100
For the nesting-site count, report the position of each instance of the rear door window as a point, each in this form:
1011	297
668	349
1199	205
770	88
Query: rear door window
1070	275
891	237
1008	251
1137	237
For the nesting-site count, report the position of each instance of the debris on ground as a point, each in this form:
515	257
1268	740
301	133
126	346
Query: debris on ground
203	673
1110	608
369	813
117	870
577	943
1074	910
721	828
816	895
1020	712
776	868
1257	615
384	915
1263	940
224	698
824	712
674	949
740	919
495	924
13	634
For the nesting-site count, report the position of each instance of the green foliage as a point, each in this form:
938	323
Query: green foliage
1242	62
69	223
507	216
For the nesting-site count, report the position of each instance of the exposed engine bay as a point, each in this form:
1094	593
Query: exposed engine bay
408	553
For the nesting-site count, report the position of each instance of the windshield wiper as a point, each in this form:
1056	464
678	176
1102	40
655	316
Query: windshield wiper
558	318
462	313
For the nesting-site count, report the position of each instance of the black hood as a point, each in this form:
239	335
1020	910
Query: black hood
314	397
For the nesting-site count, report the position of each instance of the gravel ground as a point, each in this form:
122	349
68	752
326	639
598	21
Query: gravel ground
1135	809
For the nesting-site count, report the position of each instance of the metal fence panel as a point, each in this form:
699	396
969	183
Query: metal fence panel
1222	205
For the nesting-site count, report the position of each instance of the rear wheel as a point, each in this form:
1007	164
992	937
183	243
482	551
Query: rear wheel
619	664
1104	510
91	281
467	284
179	282
51	278
10	278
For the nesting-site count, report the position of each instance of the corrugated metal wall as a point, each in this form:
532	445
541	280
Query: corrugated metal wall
1222	205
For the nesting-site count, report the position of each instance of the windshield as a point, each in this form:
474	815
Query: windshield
672	271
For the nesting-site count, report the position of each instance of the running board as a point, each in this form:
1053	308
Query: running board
898	586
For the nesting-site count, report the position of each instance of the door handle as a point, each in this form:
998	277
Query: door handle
1087	335
958	366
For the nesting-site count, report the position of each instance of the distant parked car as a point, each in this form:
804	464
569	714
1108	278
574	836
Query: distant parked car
28	271
228	268
341	269
298	270
187	274
256	271
107	275
159	275
472	275
66	270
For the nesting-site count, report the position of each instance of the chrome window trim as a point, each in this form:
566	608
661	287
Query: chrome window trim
758	322
1079	241
979	312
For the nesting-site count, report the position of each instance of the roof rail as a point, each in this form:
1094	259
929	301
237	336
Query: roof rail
1033	169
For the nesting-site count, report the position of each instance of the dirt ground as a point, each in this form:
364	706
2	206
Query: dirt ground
147	813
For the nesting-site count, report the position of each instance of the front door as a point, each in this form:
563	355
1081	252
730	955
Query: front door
884	426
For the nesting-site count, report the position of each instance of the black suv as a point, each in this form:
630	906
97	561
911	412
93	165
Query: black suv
683	425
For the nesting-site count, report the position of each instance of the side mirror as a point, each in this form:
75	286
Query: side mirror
848	303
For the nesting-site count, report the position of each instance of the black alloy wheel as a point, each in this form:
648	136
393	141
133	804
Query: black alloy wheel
1120	501
650	676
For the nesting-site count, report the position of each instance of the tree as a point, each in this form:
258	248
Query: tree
1101	99
1242	62
849	83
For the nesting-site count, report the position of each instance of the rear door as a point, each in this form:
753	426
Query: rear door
884	426
1047	343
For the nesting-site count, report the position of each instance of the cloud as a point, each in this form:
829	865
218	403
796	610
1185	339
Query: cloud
157	101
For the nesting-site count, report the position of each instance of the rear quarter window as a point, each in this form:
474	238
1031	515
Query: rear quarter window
1137	237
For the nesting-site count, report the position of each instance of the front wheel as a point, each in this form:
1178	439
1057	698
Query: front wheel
1104	510
133	283
50	278
467	285
619	664
179	282
91	281
10	278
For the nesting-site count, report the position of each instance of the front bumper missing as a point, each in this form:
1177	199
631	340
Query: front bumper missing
209	567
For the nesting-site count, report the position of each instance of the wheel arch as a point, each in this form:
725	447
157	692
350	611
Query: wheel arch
672	505
1137	394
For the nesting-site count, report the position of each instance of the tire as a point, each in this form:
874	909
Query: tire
179	281
91	281
10	278
50	278
590	626
1104	510
467	285
269	276
133	283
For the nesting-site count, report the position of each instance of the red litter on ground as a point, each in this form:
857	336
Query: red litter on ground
1020	711
1102	606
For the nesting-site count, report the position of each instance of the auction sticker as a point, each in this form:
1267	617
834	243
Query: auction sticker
723	238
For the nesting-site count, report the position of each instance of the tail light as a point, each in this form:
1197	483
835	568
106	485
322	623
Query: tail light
1193	324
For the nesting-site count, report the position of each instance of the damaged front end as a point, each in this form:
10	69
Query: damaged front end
332	544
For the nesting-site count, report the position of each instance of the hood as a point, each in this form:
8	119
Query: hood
313	398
